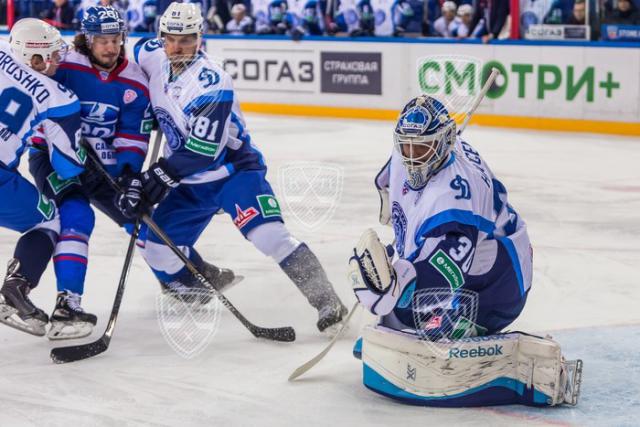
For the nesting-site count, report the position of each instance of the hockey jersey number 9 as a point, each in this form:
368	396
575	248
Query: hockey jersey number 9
30	101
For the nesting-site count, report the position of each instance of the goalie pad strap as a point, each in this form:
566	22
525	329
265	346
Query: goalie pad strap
492	370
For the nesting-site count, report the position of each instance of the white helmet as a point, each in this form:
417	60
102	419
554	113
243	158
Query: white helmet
181	18
449	6
465	9
31	36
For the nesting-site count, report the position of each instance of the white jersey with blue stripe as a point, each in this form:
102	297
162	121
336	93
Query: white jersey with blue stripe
30	102
466	199
200	116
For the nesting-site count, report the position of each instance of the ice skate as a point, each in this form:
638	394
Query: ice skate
69	320
16	309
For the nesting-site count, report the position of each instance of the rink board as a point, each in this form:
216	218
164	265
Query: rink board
559	86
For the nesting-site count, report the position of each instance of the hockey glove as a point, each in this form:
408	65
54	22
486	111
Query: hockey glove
157	181
129	201
377	282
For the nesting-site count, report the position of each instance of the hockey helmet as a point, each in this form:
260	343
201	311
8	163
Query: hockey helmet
31	36
424	136
102	20
181	19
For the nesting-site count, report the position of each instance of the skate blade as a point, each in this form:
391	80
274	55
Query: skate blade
9	316
69	330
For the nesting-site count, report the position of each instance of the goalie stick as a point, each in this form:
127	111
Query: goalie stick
485	88
300	370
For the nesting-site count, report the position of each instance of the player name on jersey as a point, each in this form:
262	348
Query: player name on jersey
27	80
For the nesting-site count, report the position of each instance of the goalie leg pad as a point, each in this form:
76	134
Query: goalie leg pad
503	369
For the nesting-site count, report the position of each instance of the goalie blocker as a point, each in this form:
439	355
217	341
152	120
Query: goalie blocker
503	369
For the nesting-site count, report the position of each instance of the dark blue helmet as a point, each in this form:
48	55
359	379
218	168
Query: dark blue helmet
101	20
424	136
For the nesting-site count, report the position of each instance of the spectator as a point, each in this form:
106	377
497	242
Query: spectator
490	18
141	14
312	18
444	25
625	13
465	18
578	15
215	25
60	15
403	15
556	14
270	16
240	23
356	18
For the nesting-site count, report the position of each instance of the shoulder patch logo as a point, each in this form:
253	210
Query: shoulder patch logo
129	96
462	185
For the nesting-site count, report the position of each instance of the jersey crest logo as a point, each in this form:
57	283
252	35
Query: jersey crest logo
462	185
244	216
399	221
99	113
175	139
129	96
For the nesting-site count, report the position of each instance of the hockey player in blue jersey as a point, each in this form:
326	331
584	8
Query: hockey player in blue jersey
460	268
116	122
29	100
210	163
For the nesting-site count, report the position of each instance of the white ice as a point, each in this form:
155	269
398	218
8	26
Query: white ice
579	193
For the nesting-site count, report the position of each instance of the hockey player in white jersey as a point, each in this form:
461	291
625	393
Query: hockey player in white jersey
30	100
210	163
460	269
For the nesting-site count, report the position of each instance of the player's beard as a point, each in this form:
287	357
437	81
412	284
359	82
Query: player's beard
103	64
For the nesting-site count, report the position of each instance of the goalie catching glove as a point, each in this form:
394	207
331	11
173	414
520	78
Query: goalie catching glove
376	281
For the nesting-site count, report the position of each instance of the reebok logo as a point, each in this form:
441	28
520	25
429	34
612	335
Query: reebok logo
475	352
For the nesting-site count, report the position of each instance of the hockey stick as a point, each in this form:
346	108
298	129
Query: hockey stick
285	333
487	85
84	351
300	370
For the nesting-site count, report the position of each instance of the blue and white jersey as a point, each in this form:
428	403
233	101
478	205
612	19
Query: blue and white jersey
200	116
116	118
459	231
30	101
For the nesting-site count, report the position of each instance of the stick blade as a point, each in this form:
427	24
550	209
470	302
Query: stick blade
284	334
74	353
318	357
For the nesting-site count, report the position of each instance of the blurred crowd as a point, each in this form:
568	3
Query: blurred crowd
459	19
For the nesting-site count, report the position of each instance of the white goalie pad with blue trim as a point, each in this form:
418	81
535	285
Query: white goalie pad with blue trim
512	368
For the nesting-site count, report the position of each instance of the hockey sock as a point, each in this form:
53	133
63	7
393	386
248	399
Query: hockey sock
72	250
34	251
304	269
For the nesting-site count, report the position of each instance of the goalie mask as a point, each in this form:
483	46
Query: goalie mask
424	136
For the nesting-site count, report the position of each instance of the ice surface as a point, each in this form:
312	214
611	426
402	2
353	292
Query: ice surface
579	193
